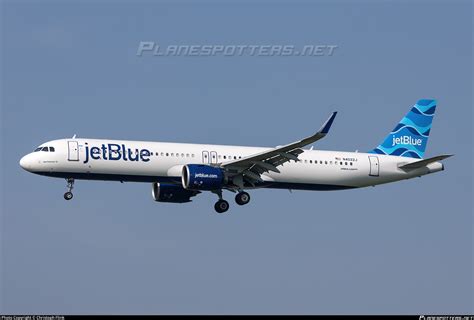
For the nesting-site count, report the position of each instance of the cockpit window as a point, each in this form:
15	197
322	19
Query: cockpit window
46	149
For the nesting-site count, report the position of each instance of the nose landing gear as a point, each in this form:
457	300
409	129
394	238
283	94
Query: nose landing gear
70	185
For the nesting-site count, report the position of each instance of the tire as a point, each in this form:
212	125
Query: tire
242	198
68	195
221	206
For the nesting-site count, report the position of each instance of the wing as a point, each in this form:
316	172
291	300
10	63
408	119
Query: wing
250	168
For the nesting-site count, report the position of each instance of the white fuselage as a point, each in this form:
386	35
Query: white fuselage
142	161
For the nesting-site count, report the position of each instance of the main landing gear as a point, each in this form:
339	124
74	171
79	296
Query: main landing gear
70	184
222	206
242	198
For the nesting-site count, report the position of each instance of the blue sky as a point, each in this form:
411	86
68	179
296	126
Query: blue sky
71	68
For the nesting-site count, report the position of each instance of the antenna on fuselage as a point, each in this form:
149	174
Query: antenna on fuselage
74	136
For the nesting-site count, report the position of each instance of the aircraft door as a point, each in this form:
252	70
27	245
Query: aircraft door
213	157
73	151
374	166
205	157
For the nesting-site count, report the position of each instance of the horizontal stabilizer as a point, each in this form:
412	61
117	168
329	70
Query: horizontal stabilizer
423	163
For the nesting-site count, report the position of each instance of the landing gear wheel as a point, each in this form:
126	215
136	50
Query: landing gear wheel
242	198
221	206
70	185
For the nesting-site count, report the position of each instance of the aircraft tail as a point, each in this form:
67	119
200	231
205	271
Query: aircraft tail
410	136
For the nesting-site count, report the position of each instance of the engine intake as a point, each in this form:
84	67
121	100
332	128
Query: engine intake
202	177
171	193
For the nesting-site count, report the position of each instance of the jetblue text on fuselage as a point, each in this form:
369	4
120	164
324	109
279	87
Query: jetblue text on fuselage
406	140
116	152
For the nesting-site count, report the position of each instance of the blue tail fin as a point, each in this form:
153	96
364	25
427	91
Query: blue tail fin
410	136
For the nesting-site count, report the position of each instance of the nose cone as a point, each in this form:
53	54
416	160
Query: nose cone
25	162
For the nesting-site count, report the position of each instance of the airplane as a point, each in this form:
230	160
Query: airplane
180	171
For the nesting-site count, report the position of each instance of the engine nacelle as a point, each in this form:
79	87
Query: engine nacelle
202	177
171	193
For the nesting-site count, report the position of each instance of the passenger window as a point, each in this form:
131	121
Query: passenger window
51	149
325	162
187	155
167	154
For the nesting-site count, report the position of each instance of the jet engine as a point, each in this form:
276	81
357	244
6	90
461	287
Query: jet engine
202	177
171	193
